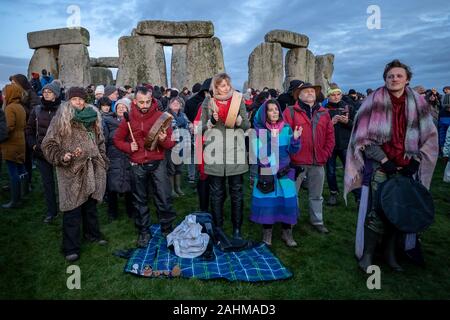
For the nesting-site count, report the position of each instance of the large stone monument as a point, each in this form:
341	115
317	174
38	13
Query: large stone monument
196	54
63	52
265	63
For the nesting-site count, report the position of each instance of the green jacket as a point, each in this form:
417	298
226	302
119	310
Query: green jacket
231	156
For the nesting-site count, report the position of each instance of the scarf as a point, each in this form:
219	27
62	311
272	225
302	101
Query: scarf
87	118
275	126
373	125
224	97
51	104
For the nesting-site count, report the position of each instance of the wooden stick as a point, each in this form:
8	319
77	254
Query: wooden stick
131	132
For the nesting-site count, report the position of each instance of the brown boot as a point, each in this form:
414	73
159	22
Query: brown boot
267	236
286	236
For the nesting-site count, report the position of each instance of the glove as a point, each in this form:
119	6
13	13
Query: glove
411	168
389	167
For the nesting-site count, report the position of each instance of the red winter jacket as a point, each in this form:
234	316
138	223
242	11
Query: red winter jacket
141	124
317	146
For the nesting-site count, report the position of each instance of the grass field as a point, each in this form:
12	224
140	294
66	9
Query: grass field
324	267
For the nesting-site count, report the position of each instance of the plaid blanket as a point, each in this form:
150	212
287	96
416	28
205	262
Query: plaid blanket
251	265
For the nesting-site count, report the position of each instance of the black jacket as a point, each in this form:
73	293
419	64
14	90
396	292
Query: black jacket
342	132
119	171
38	123
285	99
3	127
193	104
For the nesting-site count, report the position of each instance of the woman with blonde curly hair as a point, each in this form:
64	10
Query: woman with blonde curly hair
75	145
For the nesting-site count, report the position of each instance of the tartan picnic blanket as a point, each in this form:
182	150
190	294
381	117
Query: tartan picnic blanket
250	265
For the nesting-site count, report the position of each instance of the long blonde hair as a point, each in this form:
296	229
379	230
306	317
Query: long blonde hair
66	114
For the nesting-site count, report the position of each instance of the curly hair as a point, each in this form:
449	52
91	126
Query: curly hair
64	121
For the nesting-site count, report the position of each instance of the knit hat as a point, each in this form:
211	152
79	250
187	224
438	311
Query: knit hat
125	101
53	87
76	92
109	90
100	89
333	90
179	99
351	91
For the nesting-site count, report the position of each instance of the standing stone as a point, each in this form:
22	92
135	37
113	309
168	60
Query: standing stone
141	60
55	37
105	62
202	58
44	58
265	66
100	75
324	71
179	72
74	65
245	87
172	29
300	64
287	39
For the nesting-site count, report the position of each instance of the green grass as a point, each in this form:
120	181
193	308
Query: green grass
324	267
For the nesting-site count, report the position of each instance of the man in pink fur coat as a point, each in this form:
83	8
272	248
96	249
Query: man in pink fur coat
393	133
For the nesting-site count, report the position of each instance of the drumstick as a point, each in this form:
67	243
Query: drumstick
127	119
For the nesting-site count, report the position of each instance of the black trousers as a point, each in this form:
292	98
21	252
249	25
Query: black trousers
217	193
155	177
113	204
85	214
48	183
203	194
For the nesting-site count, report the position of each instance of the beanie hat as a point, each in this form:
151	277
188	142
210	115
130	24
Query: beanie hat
53	87
76	92
100	89
352	91
125	101
109	90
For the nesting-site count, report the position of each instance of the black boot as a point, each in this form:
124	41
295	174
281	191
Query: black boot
237	204
217	194
203	194
15	196
389	253
370	243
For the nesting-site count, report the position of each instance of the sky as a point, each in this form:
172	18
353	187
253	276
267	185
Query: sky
416	32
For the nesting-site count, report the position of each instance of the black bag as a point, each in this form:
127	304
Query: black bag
206	221
218	237
406	203
266	183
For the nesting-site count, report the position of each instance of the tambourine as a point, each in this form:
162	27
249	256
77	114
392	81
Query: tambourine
161	124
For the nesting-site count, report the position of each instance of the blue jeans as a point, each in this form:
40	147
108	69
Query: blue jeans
331	169
15	170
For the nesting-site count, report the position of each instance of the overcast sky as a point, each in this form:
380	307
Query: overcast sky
417	32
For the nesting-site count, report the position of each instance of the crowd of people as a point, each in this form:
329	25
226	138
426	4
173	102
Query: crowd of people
106	143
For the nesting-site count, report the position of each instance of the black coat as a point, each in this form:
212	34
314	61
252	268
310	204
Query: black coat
342	132
285	100
193	104
3	127
119	171
38	123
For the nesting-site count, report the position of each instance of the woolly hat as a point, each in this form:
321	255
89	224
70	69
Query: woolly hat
53	87
100	89
110	90
125	101
76	92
